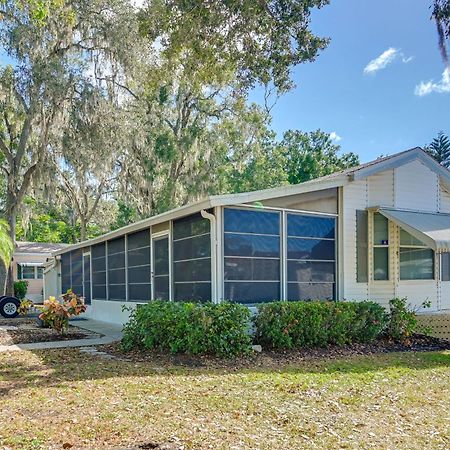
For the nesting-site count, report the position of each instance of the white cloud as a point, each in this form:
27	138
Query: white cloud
386	58
335	137
441	87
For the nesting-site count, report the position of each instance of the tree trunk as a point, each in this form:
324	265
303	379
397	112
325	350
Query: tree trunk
83	229
11	209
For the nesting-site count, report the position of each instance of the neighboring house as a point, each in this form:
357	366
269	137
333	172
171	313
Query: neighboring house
28	264
374	232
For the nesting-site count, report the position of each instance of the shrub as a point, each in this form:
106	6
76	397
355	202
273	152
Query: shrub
318	323
185	327
20	289
56	314
402	320
25	306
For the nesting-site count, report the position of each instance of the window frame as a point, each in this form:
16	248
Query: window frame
373	246
283	245
35	272
416	247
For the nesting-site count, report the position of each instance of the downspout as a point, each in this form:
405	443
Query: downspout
212	219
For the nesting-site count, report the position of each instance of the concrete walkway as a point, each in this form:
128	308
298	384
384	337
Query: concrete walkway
110	333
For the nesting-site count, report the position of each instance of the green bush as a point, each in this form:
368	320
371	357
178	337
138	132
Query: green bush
402	320
20	289
318	323
183	327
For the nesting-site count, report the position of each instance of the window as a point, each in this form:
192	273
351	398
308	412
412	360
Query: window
139	268
191	259
27	272
98	256
310	257
380	247
39	273
445	266
76	266
116	269
416	259
252	255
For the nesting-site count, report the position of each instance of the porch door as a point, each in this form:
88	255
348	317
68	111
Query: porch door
87	278
161	267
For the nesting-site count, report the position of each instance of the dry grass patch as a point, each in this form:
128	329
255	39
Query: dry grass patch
57	397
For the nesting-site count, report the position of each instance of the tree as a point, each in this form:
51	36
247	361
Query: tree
312	155
6	244
51	45
441	15
439	149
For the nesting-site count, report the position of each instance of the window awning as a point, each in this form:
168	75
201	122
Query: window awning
433	229
30	264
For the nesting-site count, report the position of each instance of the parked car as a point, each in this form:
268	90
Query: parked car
9	306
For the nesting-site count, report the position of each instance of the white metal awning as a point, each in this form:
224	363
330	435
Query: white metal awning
433	229
30	264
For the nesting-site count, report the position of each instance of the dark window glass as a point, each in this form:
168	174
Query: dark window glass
87	293
193	291
196	270
193	248
99	292
161	256
117	292
116	245
139	239
445	266
98	251
190	226
139	274
116	261
98	264
310	226
310	291
76	266
249	221
416	264
381	263
99	278
77	279
252	269
311	271
116	276
161	287
139	292
362	239
139	257
298	248
251	245
78	289
252	292
66	277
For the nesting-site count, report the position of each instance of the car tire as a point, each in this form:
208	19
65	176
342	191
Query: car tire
9	307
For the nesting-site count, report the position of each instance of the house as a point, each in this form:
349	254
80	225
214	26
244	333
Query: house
376	231
28	264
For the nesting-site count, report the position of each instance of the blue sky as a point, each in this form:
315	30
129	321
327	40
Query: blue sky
378	111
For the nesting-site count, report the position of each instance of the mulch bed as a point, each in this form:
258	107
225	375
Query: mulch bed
272	358
23	330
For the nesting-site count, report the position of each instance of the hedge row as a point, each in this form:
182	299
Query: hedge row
223	329
182	327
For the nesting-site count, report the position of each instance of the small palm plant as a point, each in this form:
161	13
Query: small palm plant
6	244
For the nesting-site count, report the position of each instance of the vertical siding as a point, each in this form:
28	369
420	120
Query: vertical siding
416	187
444	201
354	197
381	189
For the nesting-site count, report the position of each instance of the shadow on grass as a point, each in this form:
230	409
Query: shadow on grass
52	368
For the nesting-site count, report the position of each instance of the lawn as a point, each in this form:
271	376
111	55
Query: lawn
57	397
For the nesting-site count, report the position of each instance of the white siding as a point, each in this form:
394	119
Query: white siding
381	189
416	187
444	201
354	197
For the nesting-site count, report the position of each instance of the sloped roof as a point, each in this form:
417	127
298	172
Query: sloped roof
39	247
333	180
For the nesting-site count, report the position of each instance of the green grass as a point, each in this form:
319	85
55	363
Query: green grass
398	400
